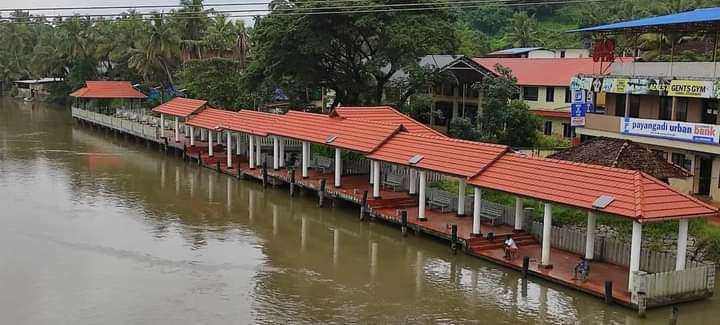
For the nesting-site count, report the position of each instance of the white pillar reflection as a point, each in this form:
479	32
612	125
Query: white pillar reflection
303	233
275	220
418	273
210	188
336	246
177	180
373	260
251	206
229	194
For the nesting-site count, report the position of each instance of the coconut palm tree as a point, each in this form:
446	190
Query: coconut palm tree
523	30
158	52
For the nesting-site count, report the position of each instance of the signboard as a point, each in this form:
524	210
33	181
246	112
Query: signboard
692	88
684	131
654	87
577	113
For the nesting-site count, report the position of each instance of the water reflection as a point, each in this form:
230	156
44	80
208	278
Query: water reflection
93	231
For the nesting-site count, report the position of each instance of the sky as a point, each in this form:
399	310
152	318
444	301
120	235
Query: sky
12	4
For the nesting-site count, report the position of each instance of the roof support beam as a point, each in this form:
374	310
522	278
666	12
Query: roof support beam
177	129
276	153
305	158
238	144
282	152
258	152
192	136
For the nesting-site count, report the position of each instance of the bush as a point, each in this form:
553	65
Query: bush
463	128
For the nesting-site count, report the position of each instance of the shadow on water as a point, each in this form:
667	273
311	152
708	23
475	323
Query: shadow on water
108	228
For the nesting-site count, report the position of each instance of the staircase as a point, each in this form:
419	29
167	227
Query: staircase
481	244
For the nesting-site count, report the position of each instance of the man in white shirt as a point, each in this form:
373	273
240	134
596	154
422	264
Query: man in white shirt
510	247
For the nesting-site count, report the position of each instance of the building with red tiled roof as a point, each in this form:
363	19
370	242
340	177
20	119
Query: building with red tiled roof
637	196
439	154
108	90
181	107
334	130
387	114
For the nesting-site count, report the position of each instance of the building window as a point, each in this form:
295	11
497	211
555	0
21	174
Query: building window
681	110
710	111
619	105
567	130
680	160
549	94
530	93
665	108
568	95
548	128
661	154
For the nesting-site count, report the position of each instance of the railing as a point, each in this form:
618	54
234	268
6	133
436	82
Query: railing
141	129
609	250
671	286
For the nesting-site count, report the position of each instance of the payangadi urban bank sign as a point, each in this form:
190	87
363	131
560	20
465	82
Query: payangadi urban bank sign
684	131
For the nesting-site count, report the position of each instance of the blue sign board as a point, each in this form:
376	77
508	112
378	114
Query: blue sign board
577	113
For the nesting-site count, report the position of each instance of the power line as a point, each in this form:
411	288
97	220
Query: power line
310	8
324	2
331	10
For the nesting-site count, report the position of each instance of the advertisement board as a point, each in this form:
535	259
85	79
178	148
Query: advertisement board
683	131
577	113
647	86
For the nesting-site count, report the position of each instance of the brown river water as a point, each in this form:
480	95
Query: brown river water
99	229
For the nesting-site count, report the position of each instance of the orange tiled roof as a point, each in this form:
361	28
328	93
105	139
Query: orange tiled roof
250	122
181	107
351	134
389	115
445	155
107	89
637	195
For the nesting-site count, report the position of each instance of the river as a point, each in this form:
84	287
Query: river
99	229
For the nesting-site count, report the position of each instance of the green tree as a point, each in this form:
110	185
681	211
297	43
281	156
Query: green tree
504	120
356	57
215	80
158	52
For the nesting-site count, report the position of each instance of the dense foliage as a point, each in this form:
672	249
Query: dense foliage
353	54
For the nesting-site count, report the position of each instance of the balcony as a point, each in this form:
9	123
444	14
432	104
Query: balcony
673	134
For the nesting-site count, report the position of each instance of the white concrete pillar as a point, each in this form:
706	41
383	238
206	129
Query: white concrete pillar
338	167
251	151
372	172
547	233
276	153
177	129
282	152
192	136
477	208
162	123
421	199
376	178
590	237
228	150
305	158
203	135
238	143
635	246
258	152
210	144
461	198
681	245
413	181
519	217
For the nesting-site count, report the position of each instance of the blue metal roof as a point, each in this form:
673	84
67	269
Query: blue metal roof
697	16
516	50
